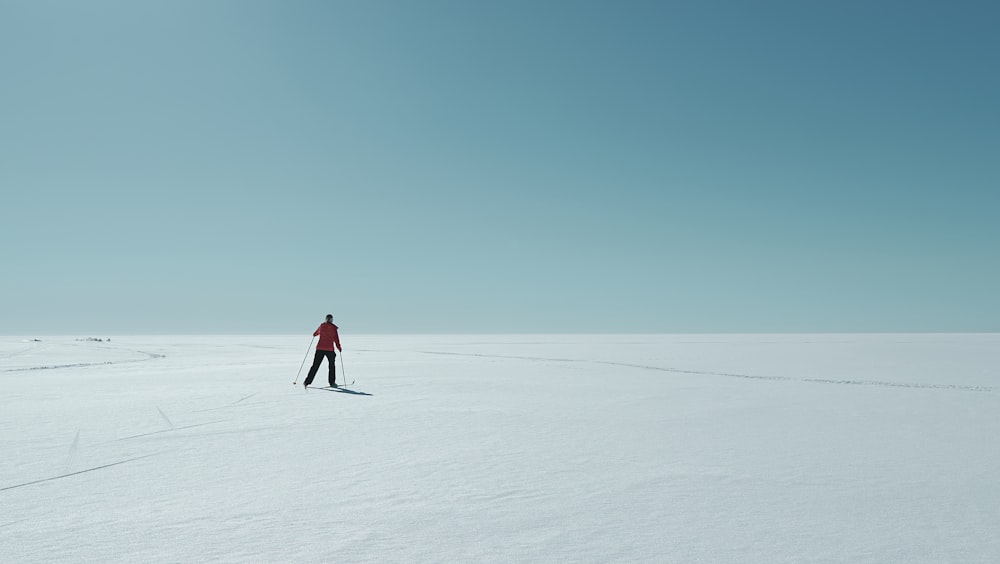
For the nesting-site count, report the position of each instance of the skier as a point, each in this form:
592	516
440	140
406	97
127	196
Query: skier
328	338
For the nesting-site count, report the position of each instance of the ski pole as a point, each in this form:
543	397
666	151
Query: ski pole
344	370
304	360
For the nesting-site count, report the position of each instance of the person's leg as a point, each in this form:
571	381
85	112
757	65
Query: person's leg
331	357
317	359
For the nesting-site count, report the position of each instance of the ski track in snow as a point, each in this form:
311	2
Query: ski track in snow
72	452
172	429
18	352
244	398
149	356
845	382
75	473
237	404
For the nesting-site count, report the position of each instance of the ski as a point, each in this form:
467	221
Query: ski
339	390
331	389
344	387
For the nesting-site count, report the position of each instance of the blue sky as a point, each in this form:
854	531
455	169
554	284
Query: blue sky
239	166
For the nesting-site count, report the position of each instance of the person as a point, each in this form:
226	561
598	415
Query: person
328	339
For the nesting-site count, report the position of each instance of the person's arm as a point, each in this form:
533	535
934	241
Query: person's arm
316	332
336	340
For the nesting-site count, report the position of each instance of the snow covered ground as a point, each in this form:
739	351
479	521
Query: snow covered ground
699	448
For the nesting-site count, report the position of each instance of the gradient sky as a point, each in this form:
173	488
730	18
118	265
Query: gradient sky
519	166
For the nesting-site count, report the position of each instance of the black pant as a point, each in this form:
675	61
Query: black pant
317	360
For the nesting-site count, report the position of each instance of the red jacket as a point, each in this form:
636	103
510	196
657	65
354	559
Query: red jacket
328	337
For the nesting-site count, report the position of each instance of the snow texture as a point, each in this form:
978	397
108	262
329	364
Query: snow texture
700	448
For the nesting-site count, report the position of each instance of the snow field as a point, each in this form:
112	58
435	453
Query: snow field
511	448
